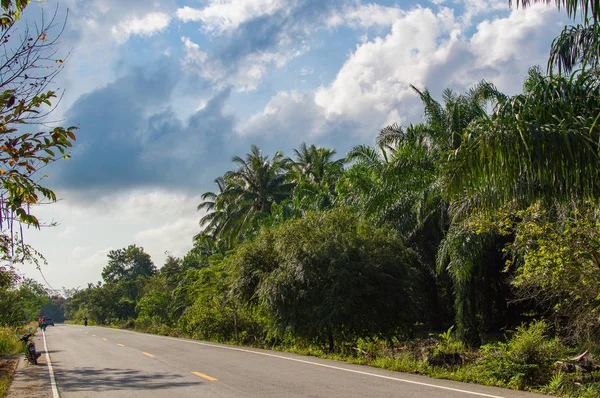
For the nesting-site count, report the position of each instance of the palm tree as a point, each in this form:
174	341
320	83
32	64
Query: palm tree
312	163
410	193
315	175
588	9
539	145
576	45
244	196
258	182
216	210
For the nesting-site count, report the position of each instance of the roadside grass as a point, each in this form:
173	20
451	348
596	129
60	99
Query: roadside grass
9	342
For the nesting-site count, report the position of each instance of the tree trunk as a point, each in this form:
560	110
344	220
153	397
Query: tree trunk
330	337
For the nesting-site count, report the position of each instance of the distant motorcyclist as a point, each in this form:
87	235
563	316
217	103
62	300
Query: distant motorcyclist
43	323
85	321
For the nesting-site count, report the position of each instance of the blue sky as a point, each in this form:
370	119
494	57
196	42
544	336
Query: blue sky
166	92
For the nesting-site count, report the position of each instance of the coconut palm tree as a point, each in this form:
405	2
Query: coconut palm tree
315	175
244	196
312	163
215	207
258	182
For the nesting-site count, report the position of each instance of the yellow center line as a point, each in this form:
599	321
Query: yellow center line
148	355
104	339
207	377
120	345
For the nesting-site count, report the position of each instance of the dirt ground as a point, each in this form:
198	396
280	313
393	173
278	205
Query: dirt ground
7	367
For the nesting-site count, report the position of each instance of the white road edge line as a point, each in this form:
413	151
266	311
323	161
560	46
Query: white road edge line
50	370
480	394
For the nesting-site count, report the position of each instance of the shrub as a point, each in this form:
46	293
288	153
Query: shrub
525	360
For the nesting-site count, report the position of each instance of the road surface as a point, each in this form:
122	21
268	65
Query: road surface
94	361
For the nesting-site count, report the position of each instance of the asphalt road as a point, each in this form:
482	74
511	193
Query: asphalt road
93	361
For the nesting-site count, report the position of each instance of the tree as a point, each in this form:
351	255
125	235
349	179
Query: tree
587	9
556	260
128	263
576	45
407	182
315	175
542	144
258	182
329	274
245	195
28	62
216	207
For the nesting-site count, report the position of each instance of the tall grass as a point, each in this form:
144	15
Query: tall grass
9	342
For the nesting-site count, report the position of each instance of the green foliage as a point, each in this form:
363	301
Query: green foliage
29	65
490	201
245	196
131	262
328	274
527	359
9	342
558	267
11	12
214	313
542	144
21	303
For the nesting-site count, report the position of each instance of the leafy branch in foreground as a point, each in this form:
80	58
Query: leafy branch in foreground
28	63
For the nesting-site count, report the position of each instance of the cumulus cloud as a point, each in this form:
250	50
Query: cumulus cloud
365	16
225	15
174	236
244	75
252	37
130	136
159	220
425	48
146	25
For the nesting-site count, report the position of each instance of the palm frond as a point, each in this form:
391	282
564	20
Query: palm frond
576	45
588	9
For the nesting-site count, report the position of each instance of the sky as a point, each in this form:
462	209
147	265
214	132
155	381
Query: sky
165	92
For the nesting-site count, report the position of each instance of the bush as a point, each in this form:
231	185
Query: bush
448	351
527	359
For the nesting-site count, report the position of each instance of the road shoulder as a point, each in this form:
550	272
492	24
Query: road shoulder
31	380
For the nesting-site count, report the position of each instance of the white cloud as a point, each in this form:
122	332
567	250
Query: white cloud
113	222
147	25
425	48
174	237
248	71
288	111
225	15
365	16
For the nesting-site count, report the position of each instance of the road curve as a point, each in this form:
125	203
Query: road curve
93	361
